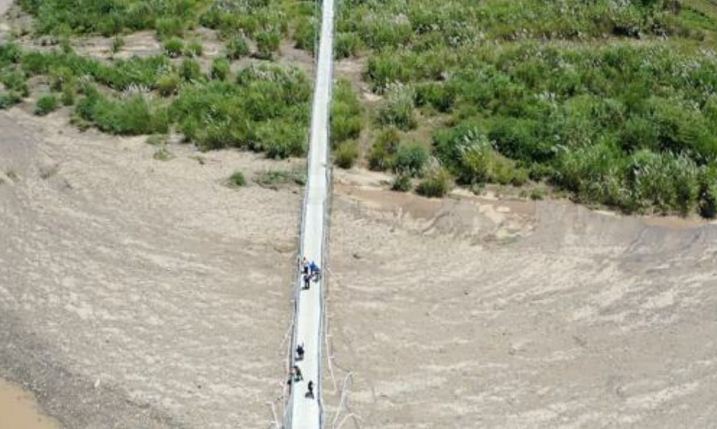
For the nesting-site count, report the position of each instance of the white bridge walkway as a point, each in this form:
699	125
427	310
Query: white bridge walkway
303	412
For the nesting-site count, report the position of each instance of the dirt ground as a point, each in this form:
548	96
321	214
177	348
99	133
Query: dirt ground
490	313
136	292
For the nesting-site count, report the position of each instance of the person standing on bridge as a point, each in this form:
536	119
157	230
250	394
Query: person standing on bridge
310	390
304	266
307	281
297	374
300	352
315	271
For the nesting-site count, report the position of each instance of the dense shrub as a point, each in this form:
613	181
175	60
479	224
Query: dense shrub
237	179
168	84
9	99
305	34
174	46
383	150
220	69
411	158
15	81
346	45
194	49
136	114
266	110
237	48
267	42
190	70
346	153
346	113
436	184
46	104
708	192
397	109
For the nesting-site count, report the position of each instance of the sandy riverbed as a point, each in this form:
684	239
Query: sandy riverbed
490	313
136	292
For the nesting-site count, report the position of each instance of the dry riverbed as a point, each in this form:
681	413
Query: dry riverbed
481	312
136	292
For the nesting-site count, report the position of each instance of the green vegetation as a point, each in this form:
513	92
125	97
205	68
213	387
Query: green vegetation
194	49
436	184
221	69
174	47
237	48
346	113
410	159
46	104
384	149
274	178
135	114
237	179
266	110
162	154
401	182
515	91
346	153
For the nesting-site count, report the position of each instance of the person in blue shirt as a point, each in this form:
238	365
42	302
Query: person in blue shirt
314	270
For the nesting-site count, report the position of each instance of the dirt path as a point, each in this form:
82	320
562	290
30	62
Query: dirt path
136	292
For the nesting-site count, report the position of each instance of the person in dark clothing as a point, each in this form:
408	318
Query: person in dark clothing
305	266
297	374
310	390
307	281
300	352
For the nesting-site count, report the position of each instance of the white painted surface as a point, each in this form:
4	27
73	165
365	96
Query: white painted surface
306	412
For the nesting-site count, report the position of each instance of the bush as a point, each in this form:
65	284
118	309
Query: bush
9	99
237	48
168	84
708	192
46	104
68	94
267	111
117	43
346	154
274	178
190	70
15	81
470	156
663	181
305	34
130	116
346	113
220	69
401	182
383	150
194	49
347	45
168	27
435	185
411	158
174	46
267	42
397	109
237	179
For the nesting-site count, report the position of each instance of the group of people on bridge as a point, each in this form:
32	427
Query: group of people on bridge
309	272
297	376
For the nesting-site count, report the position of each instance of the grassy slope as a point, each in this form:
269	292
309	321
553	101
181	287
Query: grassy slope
612	101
